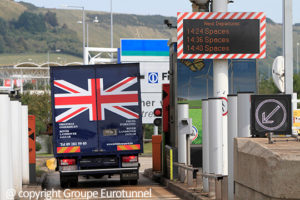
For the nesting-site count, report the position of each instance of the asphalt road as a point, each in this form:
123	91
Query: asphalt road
107	188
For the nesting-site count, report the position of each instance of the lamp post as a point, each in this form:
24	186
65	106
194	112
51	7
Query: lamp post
48	58
111	25
48	54
95	21
87	34
83	27
297	58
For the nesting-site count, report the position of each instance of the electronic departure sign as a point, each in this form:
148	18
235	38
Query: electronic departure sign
217	35
223	36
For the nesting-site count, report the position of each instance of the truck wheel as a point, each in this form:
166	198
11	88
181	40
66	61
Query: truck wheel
68	181
63	183
133	182
74	181
124	182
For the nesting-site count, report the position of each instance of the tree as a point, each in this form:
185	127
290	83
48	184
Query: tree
2	45
31	22
3	27
267	86
296	84
40	107
50	18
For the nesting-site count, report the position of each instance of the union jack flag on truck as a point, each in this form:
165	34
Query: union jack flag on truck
96	99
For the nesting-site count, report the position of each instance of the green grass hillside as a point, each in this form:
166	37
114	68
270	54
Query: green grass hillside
10	9
19	40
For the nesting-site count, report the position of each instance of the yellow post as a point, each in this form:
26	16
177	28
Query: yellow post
171	164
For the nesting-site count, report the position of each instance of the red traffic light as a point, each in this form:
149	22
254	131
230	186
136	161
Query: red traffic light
158	112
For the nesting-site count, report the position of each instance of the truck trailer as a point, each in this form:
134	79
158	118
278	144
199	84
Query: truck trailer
97	121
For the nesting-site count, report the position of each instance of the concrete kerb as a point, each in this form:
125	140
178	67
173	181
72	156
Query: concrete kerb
38	186
29	188
32	187
175	187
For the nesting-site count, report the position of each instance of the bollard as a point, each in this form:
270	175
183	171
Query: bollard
25	148
16	121
31	142
190	177
205	144
232	133
182	175
212	189
215	135
244	109
198	180
156	151
270	137
6	169
183	113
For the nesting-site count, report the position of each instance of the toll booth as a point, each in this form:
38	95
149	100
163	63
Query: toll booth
190	81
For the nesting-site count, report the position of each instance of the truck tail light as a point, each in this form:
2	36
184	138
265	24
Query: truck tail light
129	159
65	162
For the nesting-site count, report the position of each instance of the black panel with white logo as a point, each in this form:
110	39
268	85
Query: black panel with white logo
271	113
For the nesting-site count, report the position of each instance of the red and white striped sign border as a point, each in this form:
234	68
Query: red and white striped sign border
221	15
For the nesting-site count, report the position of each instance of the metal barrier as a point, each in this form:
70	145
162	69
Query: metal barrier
218	186
186	173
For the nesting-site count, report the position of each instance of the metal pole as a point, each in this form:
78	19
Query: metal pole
297	58
111	26
87	35
188	150
205	144
21	81
25	148
215	120
288	45
232	133
83	36
6	169
155	130
220	81
244	109
294	102
48	64
173	93
86	56
183	113
232	76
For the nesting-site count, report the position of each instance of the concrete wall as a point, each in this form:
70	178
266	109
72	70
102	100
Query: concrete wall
265	171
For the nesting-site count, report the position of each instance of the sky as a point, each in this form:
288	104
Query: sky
272	8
